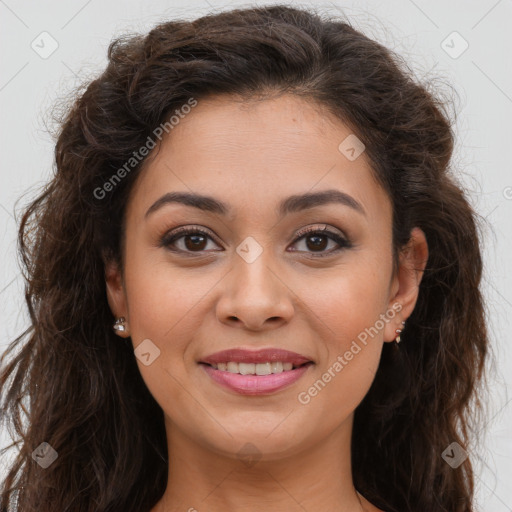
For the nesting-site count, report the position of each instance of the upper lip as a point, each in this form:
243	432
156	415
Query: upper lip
239	355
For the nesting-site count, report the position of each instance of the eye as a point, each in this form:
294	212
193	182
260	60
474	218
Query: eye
195	240
317	240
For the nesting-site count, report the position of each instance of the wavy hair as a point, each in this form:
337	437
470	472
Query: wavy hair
68	381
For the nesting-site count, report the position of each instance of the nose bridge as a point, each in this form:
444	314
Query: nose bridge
253	270
253	266
255	292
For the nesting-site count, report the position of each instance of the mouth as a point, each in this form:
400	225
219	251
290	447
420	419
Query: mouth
266	368
260	372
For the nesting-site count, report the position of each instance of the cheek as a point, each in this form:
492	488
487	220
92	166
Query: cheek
168	306
163	299
349	299
347	310
164	308
350	332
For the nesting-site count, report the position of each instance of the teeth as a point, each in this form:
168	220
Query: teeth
254	368
246	368
263	369
277	367
232	367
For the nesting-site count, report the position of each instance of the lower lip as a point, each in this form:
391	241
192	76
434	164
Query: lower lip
256	384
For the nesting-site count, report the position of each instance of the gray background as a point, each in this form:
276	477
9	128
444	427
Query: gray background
31	82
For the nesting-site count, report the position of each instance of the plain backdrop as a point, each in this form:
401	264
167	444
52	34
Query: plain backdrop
48	48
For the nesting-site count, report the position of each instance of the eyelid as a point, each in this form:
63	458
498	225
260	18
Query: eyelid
174	234
339	237
315	229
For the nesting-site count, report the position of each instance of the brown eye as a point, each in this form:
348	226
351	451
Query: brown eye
194	240
317	240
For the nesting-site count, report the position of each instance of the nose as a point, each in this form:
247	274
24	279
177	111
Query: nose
255	297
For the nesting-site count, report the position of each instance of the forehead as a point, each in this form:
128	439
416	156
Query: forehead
252	154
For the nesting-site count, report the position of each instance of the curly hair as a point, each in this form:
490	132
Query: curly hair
68	382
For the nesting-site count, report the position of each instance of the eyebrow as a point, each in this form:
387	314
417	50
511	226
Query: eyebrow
289	205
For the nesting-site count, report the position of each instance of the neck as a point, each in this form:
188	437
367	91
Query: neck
315	478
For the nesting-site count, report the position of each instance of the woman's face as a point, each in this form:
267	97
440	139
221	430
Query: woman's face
254	281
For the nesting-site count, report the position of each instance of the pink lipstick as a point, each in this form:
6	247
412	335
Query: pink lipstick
260	372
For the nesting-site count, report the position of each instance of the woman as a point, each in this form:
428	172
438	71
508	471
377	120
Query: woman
253	283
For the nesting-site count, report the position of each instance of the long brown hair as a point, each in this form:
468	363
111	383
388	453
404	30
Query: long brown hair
71	383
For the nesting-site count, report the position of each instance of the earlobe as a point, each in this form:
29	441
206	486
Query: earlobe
115	292
412	263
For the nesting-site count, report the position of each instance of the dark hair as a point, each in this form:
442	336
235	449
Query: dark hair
85	394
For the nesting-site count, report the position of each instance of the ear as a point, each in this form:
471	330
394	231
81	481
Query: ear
406	283
116	294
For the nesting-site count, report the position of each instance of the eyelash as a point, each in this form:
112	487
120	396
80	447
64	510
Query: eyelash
170	238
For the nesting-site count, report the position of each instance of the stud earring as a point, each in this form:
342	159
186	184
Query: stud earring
120	326
398	331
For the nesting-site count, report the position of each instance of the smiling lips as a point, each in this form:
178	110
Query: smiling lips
255	372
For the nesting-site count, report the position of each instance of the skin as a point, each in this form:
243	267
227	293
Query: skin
251	155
